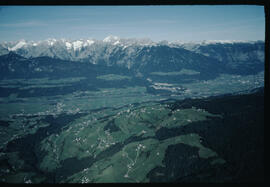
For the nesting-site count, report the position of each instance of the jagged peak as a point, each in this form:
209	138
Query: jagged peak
78	44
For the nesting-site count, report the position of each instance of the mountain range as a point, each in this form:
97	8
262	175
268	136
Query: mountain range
139	57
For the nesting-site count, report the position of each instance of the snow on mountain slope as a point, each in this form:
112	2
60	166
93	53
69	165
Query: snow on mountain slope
19	45
131	52
77	45
111	39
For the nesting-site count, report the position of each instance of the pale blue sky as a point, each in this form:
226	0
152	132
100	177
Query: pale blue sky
178	22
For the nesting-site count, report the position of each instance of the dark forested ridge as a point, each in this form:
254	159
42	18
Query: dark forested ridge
238	137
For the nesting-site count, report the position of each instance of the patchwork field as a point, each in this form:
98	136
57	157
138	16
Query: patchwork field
114	134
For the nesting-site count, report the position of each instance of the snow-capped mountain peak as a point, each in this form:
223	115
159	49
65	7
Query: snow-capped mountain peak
88	42
111	38
68	45
51	41
19	45
77	45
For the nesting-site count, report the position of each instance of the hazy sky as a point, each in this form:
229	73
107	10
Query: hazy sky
185	23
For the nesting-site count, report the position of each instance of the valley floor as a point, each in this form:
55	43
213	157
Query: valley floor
131	134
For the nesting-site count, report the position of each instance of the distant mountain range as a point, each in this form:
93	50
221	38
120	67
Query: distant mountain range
140	57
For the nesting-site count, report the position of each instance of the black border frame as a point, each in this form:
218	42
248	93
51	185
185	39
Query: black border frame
265	3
